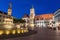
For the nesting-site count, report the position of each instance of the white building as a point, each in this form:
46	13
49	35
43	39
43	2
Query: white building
57	17
39	23
43	20
26	18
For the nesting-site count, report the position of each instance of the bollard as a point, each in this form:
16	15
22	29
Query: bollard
18	31
7	32
13	31
1	32
22	31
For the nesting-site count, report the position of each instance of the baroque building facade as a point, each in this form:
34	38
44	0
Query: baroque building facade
6	20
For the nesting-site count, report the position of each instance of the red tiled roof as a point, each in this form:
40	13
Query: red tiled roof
44	16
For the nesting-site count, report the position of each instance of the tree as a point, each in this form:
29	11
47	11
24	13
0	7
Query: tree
15	20
21	21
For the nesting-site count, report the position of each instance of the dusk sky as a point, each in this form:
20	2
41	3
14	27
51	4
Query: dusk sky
20	7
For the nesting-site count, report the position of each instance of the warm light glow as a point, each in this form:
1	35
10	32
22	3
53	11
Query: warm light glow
32	25
25	30
18	26
50	25
22	31
8	26
13	31
1	32
18	31
7	32
7	19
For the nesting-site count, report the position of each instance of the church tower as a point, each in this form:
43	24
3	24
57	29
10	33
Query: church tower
32	16
10	9
32	13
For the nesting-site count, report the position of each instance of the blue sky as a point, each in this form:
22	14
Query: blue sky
20	7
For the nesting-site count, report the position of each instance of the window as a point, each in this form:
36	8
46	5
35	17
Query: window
58	15
53	22
57	12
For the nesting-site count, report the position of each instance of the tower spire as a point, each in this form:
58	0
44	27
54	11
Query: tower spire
10	5
10	9
32	11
